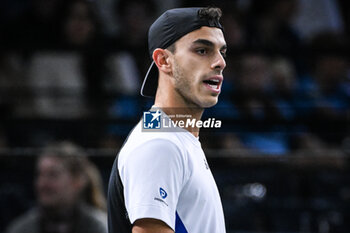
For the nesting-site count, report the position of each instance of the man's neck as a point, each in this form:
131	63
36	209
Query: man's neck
182	113
173	104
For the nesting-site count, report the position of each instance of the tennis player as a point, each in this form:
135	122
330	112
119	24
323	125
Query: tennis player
160	181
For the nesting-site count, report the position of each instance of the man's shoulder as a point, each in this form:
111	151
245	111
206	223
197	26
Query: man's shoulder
149	144
26	223
138	137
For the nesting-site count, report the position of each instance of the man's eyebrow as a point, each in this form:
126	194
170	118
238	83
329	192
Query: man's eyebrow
207	43
204	42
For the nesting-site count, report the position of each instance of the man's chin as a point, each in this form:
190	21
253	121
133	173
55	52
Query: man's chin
210	102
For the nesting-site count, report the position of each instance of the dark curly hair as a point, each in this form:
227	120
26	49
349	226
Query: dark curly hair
210	13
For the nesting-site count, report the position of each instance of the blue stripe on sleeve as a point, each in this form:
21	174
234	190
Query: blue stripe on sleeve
179	226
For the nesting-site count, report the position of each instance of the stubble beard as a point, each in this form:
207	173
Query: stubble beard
182	86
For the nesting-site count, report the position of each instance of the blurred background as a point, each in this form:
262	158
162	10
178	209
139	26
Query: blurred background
71	70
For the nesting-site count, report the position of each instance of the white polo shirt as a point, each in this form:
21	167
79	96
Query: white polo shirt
165	176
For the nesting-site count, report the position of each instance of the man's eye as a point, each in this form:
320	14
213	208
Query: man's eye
223	54
201	51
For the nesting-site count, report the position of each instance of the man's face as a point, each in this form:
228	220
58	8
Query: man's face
198	63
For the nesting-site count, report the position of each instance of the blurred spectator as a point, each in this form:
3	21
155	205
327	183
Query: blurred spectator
58	86
105	11
259	112
310	20
269	26
310	144
123	74
284	86
283	77
69	195
232	143
130	62
135	16
9	81
69	83
81	32
79	25
252	87
326	86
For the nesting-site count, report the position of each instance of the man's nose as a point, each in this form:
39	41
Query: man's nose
219	62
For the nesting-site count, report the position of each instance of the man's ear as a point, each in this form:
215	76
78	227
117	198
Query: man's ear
162	60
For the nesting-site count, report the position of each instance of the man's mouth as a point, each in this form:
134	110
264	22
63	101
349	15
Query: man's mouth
214	83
